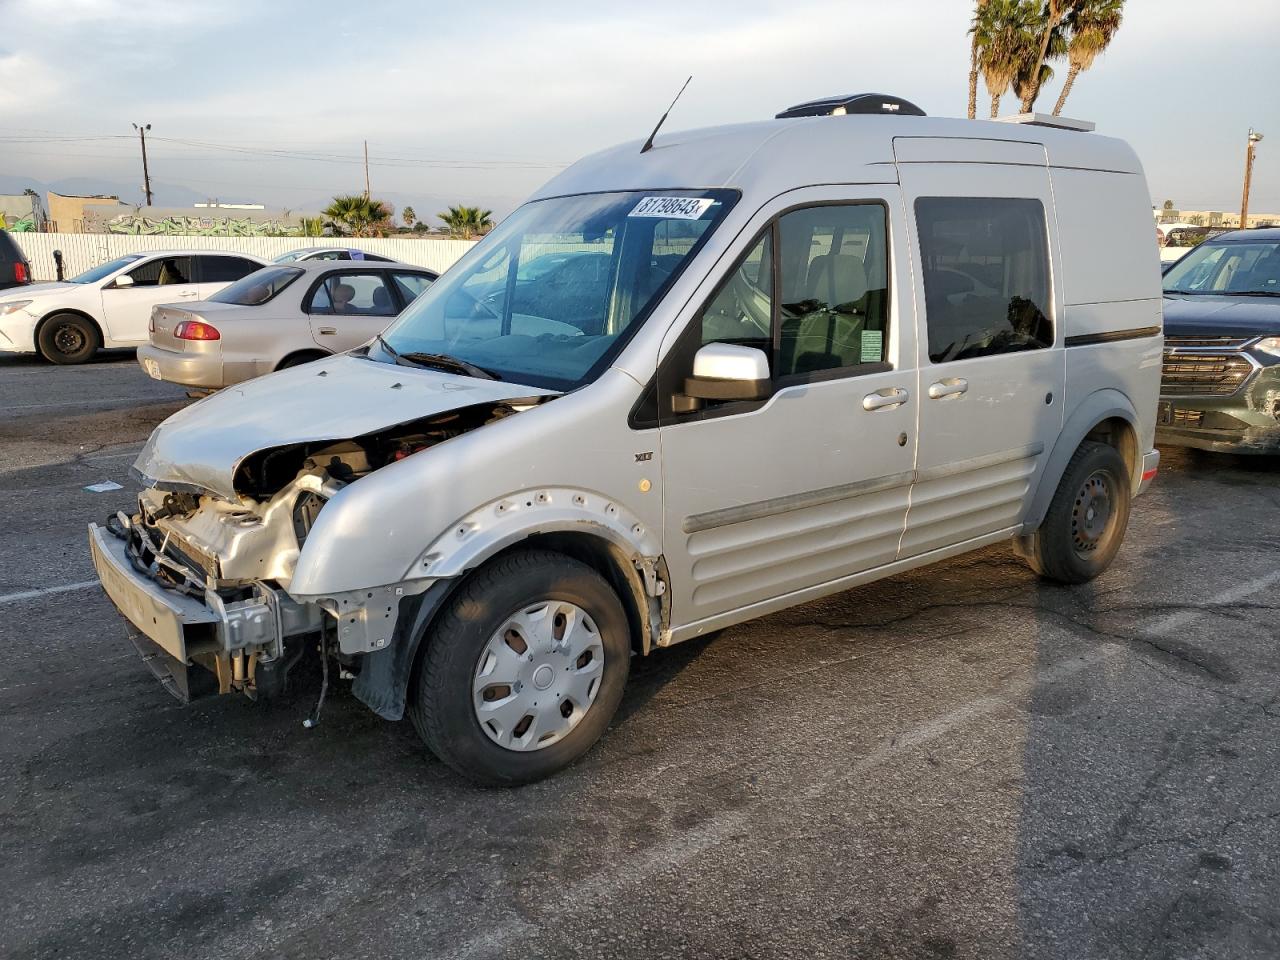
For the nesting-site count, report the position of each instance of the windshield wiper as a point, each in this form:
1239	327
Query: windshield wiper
1254	293
444	362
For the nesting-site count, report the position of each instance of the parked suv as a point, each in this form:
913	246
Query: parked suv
831	348
15	270
110	304
1221	384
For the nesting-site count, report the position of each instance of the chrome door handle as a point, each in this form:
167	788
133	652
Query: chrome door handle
951	387
328	331
882	399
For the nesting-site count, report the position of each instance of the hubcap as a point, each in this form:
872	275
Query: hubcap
68	339
1091	514
538	675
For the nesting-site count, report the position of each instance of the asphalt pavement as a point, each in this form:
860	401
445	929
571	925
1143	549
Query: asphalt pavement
957	762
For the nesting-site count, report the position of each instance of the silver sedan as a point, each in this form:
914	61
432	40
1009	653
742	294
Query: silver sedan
277	317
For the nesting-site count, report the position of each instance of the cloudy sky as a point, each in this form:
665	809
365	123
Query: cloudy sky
270	101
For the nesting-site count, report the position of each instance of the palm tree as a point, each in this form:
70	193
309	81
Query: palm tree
1026	86
466	222
1008	40
362	216
312	226
974	45
1093	23
408	216
1055	12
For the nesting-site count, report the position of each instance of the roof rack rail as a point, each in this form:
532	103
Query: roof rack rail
1045	120
853	103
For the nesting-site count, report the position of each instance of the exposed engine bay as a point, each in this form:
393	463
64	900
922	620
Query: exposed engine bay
236	558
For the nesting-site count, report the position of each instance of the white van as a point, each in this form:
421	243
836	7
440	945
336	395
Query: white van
678	389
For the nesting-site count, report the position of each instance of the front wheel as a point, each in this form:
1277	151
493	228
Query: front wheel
68	338
523	669
1086	520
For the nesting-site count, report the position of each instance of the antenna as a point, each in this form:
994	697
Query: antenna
648	144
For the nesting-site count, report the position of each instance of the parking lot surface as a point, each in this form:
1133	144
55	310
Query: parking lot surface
957	762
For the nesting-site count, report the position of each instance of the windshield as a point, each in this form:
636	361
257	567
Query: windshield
104	269
259	286
552	295
1237	268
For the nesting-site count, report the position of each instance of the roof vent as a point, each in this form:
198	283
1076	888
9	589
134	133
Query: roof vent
854	103
1044	120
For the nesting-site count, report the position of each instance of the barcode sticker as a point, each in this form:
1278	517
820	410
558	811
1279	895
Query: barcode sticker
672	208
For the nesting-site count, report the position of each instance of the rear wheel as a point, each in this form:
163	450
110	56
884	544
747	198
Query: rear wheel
1086	520
523	669
297	359
68	338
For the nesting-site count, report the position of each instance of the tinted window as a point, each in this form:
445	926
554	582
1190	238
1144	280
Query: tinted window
354	294
162	272
834	299
986	276
411	285
258	287
225	269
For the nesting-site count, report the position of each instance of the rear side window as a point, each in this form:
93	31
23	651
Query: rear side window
354	294
258	287
162	272
986	276
224	269
411	285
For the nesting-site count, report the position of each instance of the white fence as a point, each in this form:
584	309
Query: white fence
80	251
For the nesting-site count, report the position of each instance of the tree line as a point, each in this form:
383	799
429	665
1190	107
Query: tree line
1014	42
357	215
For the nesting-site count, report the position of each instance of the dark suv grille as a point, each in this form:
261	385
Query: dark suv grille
1222	343
1203	374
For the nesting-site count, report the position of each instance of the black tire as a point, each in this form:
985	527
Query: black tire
67	338
1086	520
298	359
442	708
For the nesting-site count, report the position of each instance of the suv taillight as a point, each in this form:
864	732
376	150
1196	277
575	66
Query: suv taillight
196	330
20	272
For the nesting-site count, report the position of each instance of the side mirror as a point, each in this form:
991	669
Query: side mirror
122	281
725	371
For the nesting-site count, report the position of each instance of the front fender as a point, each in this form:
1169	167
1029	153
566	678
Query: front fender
1093	410
489	529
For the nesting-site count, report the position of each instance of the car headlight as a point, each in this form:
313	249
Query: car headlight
13	306
1269	346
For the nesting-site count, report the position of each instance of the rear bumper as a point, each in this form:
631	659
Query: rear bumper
188	369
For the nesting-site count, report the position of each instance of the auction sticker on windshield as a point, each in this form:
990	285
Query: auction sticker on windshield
672	208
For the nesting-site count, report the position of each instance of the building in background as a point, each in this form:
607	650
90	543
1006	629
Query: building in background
68	212
20	212
1214	218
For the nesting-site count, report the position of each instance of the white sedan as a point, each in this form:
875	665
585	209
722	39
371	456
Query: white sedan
110	305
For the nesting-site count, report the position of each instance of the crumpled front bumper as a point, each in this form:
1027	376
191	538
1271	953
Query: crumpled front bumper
176	632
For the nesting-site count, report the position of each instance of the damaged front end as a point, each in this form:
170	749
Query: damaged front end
204	578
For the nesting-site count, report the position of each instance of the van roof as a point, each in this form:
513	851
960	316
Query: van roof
771	156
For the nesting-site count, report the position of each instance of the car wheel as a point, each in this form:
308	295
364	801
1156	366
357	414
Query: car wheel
523	669
297	359
68	338
1086	520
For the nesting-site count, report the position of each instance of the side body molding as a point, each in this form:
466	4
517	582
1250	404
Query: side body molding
1094	409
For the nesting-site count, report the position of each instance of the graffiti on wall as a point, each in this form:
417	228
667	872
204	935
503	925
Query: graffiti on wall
142	226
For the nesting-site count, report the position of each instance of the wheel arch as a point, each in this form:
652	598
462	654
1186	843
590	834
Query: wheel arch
59	311
315	353
1106	416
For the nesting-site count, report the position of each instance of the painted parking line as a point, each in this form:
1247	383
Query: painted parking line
46	591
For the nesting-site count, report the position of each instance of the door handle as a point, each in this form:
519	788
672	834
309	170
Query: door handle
328	331
883	399
951	387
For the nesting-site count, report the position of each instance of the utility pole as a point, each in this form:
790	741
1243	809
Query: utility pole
146	174
1250	151
366	169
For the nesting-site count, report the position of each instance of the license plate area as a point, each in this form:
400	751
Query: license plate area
152	368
